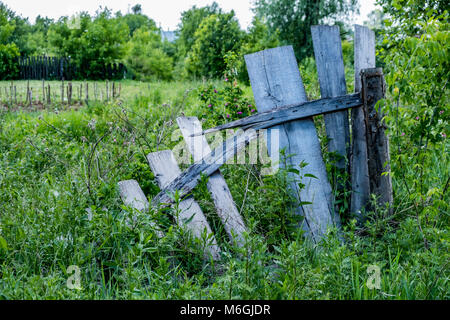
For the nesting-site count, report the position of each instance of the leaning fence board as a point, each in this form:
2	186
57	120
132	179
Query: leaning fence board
133	197
276	81
330	68
364	51
165	168
283	114
217	186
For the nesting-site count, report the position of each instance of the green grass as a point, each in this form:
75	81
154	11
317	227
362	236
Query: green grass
48	179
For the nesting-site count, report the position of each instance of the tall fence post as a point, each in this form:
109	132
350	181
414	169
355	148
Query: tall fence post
372	90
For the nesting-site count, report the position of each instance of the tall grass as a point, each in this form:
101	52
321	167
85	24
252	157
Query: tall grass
55	165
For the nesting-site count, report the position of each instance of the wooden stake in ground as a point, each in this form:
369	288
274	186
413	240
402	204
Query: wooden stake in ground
49	99
43	91
62	92
190	215
87	92
217	186
69	93
107	93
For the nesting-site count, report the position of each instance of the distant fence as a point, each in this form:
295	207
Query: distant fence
61	68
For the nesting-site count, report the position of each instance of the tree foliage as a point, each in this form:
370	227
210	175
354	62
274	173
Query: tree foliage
91	43
417	68
8	51
190	22
146	58
294	18
217	35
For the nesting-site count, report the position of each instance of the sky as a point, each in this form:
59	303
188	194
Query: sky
166	13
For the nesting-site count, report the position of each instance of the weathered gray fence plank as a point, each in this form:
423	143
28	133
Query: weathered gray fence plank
364	54
292	112
330	68
217	186
133	197
165	168
372	90
276	81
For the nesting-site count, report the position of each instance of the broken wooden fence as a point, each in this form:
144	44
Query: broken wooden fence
283	105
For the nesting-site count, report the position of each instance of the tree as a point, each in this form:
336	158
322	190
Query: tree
256	39
217	35
8	51
146	59
294	18
137	19
190	22
90	43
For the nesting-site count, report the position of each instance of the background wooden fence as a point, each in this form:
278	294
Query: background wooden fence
61	68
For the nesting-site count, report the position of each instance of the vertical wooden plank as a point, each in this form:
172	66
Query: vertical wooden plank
165	168
330	68
276	81
217	186
372	90
364	54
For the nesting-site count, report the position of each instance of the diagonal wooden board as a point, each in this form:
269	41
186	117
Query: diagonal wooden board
364	51
133	197
276	81
292	112
217	186
165	168
330	68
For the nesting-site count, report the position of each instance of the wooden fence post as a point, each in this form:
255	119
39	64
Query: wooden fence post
165	168
330	68
217	186
276	81
364	56
372	90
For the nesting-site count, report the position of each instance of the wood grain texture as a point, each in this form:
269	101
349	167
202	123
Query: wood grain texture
165	168
364	56
292	112
133	197
330	68
372	90
186	181
217	186
276	81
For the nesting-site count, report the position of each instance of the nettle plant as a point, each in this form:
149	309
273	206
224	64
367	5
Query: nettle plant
227	103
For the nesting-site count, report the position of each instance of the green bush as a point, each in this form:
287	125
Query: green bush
9	63
146	59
